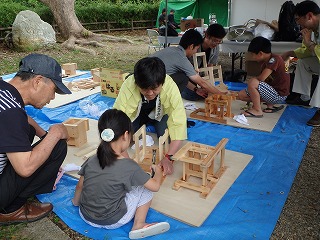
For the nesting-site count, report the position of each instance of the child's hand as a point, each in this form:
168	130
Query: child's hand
155	169
74	203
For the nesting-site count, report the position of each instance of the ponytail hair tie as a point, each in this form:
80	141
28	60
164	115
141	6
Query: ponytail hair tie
107	135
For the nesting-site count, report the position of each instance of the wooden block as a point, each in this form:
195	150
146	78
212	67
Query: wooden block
163	144
95	72
69	68
199	114
140	152
77	129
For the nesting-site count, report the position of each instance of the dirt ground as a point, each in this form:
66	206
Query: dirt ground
300	217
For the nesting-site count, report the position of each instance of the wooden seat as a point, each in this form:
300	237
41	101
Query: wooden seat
198	160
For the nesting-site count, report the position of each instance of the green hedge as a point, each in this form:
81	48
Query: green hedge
86	11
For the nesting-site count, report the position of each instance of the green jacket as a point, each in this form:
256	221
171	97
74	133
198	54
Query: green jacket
169	102
303	51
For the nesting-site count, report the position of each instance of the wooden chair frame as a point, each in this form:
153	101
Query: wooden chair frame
212	73
198	161
143	154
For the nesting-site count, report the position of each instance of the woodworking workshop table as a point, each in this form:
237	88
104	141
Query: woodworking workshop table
238	48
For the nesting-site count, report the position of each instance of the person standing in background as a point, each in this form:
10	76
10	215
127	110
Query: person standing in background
171	19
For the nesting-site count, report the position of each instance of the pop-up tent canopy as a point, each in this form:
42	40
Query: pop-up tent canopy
197	9
228	12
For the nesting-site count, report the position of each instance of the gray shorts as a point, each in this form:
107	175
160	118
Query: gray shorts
268	94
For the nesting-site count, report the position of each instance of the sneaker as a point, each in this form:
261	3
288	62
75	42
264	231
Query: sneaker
29	212
315	120
298	102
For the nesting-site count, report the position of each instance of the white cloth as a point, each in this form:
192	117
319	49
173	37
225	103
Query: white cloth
241	119
71	167
149	142
190	106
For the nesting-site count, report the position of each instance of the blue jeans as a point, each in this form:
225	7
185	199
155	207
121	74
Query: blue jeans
159	126
190	95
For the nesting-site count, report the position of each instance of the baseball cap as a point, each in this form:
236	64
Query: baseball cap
46	66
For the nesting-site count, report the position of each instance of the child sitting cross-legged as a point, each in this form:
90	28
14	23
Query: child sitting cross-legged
113	189
271	86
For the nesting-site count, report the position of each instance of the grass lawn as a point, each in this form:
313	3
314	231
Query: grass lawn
115	55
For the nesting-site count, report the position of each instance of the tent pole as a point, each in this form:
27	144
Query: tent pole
166	30
229	12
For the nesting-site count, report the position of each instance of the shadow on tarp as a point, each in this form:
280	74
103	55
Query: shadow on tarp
252	205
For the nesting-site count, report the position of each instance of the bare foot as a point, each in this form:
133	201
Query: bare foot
138	226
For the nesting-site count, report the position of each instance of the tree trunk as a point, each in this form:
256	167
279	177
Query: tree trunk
65	17
72	30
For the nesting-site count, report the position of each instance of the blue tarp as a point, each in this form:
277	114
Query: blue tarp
249	209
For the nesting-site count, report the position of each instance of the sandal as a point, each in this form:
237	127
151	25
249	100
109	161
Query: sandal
149	230
273	109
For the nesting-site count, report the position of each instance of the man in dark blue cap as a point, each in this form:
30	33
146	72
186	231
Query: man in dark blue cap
25	169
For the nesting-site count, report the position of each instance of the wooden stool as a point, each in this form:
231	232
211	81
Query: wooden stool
198	161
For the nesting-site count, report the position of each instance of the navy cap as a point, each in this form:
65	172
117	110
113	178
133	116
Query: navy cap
46	66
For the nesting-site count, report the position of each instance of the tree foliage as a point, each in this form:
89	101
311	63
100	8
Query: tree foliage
86	10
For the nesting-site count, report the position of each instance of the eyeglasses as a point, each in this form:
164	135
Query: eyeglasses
297	18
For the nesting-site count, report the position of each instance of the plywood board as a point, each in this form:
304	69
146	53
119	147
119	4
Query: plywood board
179	204
266	123
186	205
61	100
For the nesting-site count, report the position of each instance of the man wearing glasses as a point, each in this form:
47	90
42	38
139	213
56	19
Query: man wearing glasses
307	15
180	68
213	37
25	169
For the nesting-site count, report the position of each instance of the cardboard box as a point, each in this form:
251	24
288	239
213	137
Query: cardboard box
69	68
111	81
192	23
